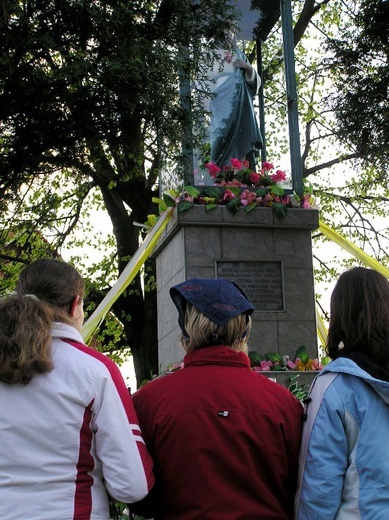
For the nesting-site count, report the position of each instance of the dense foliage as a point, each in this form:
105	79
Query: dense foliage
89	107
359	60
91	113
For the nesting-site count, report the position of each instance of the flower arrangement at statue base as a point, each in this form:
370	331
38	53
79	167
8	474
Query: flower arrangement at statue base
273	362
237	186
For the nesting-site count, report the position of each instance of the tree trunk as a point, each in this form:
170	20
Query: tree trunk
136	309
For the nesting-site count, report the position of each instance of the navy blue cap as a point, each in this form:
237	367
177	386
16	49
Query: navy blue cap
219	300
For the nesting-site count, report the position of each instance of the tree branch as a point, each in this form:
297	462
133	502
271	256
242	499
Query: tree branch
311	7
328	164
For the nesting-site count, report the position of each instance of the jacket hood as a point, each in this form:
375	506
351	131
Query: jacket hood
64	331
347	366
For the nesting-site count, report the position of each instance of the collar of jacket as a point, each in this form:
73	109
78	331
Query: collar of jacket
216	355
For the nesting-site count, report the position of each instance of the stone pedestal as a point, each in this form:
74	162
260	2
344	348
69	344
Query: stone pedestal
269	256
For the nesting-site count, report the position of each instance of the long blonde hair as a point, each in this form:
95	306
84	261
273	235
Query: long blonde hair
203	332
44	293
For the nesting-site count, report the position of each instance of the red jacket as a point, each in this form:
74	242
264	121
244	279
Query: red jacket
224	440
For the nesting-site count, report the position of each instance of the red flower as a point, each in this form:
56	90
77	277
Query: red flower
254	178
278	176
266	166
213	169
236	164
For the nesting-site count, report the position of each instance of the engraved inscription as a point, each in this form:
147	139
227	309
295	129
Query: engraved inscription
261	281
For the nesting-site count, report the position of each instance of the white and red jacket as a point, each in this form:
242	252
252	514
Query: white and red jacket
70	439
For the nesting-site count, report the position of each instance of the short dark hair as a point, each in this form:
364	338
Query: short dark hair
359	315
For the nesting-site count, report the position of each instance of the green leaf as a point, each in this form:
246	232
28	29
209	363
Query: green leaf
302	354
234	189
212	192
211	206
169	201
192	191
262	192
278	368
250	207
279	209
157	200
274	357
277	190
233	204
184	205
255	357
308	188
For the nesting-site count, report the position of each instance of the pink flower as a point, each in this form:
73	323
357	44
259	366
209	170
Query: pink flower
278	176
236	164
178	366
291	365
254	178
306	203
213	169
235	182
187	197
266	366
286	200
267	199
316	365
228	195
248	197
245	164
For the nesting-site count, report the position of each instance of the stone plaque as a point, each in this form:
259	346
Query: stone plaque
261	281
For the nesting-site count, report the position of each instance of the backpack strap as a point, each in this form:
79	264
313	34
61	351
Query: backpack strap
311	405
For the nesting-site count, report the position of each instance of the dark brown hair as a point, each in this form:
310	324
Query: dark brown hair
359	317
44	293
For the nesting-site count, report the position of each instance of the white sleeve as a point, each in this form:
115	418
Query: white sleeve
126	463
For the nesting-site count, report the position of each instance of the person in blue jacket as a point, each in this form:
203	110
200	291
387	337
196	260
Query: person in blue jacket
344	459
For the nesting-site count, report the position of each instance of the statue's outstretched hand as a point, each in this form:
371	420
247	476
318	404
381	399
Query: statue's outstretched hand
240	64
